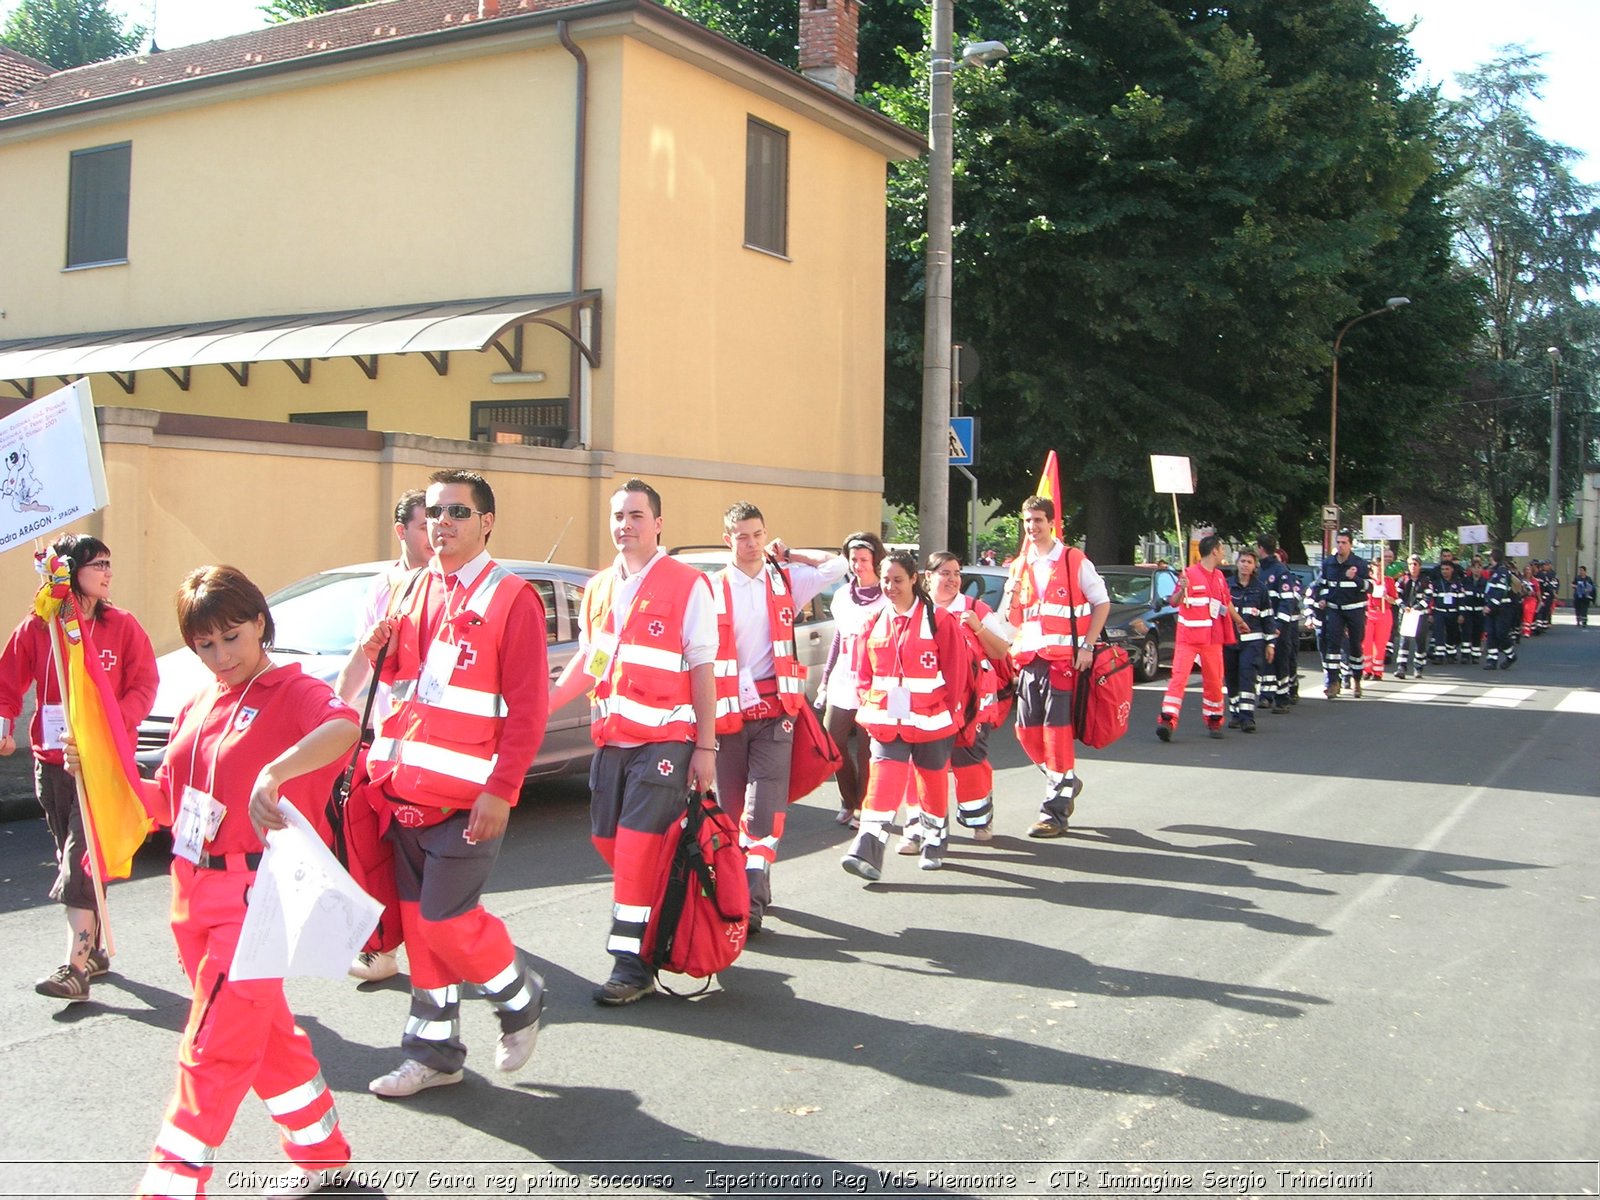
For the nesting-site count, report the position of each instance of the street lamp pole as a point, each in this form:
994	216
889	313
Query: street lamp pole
1553	519
933	489
1328	525
933	493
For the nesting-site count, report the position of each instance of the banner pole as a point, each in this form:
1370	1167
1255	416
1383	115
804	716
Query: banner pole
56	640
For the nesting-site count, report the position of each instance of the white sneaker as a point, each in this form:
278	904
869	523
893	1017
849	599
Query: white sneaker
983	833
295	1183
409	1078
375	966
515	1049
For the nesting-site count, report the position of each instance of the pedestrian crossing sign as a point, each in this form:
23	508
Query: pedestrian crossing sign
963	441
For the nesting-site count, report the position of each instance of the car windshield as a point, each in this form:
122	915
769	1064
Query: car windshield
319	615
1127	587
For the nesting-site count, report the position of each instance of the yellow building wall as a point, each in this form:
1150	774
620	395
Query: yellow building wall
444	181
726	354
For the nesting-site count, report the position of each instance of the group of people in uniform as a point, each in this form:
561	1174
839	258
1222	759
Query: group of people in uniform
694	683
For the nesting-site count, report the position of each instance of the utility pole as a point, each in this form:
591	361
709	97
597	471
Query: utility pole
1554	518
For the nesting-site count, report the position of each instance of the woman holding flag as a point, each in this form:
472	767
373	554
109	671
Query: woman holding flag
89	631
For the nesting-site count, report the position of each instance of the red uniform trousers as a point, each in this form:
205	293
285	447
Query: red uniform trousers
1183	656
1530	609
1375	643
900	770
636	794
241	1037
1044	713
974	781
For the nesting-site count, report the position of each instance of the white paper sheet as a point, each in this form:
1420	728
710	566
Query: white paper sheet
306	915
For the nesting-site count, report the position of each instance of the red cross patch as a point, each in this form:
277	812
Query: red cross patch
468	655
788	725
107	659
665	767
786	616
930	660
1062	592
657	629
244	720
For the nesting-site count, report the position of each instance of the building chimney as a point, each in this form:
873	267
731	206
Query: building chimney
828	42
488	8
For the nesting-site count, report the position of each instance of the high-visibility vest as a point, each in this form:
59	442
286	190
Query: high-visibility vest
1200	616
1044	620
911	662
787	672
988	679
443	752
645	695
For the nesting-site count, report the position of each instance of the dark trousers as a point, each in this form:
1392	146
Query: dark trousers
1342	632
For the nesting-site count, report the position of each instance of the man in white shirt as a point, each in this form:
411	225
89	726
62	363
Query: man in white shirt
761	684
647	648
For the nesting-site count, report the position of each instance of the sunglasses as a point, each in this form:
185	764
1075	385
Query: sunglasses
100	564
456	512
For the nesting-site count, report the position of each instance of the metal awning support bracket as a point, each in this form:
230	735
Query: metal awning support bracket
240	373
124	381
368	365
439	362
301	369
180	377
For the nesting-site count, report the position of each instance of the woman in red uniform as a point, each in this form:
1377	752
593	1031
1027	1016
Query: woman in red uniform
1381	603
912	669
988	641
260	731
122	649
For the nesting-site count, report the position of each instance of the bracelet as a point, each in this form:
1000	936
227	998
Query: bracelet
698	746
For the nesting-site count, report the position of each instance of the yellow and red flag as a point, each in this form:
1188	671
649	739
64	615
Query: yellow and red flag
117	815
1050	488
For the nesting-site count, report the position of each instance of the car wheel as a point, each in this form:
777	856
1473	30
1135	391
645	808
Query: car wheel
1148	660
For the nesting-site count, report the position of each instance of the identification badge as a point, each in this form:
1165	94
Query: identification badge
436	672
748	696
199	817
897	700
52	724
604	649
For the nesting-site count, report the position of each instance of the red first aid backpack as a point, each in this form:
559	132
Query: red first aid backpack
699	922
1103	699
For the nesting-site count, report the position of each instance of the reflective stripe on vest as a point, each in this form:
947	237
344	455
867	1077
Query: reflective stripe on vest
434	758
659	706
787	673
930	716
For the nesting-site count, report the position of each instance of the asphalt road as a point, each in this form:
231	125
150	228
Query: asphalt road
1351	954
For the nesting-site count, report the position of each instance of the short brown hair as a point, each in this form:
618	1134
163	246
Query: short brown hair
211	599
1040	504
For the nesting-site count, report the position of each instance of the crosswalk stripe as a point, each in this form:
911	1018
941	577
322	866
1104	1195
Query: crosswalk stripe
1417	693
1580	702
1503	697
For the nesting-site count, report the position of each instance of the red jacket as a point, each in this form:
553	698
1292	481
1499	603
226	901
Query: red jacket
1202	600
897	651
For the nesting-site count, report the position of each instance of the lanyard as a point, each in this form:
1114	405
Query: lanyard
216	754
446	615
898	641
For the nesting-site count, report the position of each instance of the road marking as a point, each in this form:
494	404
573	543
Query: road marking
1418	693
1504	697
1580	702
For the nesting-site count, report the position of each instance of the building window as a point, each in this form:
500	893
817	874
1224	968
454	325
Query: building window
97	205
520	422
766	188
350	419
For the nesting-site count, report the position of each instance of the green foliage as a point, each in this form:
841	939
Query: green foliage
278	11
69	33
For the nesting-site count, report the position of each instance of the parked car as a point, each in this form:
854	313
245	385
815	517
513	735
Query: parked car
1140	619
316	627
813	624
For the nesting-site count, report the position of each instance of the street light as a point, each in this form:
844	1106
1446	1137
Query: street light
1330	522
933	491
1554	517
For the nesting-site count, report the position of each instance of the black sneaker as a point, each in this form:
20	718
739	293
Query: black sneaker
1214	730
1163	730
614	992
65	983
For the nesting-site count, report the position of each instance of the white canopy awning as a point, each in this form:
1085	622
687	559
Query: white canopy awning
431	329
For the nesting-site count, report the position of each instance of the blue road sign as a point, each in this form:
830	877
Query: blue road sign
963	441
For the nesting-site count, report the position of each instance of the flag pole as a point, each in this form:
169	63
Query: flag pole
56	640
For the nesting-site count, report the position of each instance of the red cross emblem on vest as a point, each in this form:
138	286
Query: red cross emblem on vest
786	616
657	629
665	766
468	655
1062	592
107	659
930	660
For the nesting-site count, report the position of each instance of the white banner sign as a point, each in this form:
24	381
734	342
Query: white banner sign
1472	535
1517	549
1172	473
51	472
306	915
1381	528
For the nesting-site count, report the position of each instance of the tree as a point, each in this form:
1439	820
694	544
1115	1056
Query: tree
1163	212
278	11
1525	229
69	33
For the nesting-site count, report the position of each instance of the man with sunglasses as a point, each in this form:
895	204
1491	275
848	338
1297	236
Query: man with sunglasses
449	760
